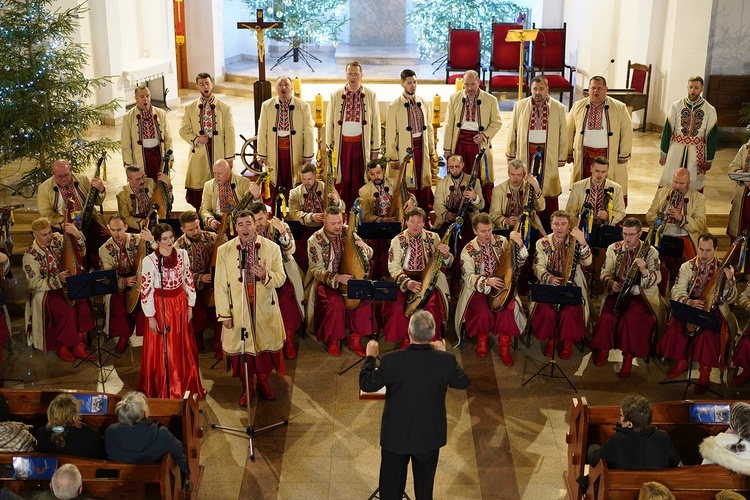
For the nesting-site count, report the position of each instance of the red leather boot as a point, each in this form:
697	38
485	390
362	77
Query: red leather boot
263	388
503	345
704	378
289	351
482	345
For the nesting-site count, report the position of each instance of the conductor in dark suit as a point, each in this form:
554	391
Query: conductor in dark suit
414	426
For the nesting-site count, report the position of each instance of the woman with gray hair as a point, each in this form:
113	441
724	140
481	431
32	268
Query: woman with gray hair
136	439
731	449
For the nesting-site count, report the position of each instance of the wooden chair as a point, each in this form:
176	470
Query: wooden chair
548	56
639	79
504	60
464	53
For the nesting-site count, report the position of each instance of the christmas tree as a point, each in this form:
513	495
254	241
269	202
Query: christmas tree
44	113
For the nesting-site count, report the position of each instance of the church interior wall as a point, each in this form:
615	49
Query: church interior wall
729	38
204	35
238	44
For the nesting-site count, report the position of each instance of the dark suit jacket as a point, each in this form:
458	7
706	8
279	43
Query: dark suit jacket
416	380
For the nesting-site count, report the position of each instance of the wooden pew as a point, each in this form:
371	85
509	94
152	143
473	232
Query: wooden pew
594	425
180	416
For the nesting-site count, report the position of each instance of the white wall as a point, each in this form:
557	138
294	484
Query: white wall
238	43
204	37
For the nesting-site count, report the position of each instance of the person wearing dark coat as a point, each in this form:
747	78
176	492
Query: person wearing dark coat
414	423
65	432
635	445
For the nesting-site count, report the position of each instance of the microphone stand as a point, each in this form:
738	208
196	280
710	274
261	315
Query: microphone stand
164	327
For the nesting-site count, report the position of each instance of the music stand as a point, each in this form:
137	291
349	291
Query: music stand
379	230
671	246
370	290
89	286
701	320
295	227
558	295
601	236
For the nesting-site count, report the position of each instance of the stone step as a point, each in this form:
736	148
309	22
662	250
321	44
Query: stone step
406	56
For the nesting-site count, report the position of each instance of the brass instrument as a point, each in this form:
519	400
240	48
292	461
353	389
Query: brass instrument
416	301
88	206
161	196
72	259
464	209
401	194
133	293
353	260
633	273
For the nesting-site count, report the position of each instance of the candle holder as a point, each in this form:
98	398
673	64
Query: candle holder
319	154
435	157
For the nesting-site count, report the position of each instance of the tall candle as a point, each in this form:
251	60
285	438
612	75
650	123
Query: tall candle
318	110
436	110
297	86
459	84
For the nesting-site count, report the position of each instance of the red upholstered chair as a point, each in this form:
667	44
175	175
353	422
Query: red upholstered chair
548	56
639	79
464	53
504	60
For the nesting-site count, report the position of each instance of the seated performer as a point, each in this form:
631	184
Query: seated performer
375	199
250	303
134	199
567	324
4	316
64	186
741	356
684	212
222	194
307	204
120	252
510	197
199	246
327	315
706	345
739	216
604	195
54	325
479	261
644	309
291	293
411	252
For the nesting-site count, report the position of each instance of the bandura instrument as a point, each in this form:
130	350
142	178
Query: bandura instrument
88	207
161	196
401	194
464	209
353	260
714	289
633	274
133	293
416	301
72	259
573	255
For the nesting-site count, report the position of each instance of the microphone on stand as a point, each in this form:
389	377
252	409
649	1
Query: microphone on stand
611	61
243	257
161	263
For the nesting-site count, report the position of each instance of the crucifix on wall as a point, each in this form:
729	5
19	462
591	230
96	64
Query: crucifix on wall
262	87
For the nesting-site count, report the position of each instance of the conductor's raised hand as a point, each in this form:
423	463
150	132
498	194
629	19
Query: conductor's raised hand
372	349
438	345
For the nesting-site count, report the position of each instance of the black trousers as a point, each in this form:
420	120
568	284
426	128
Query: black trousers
393	470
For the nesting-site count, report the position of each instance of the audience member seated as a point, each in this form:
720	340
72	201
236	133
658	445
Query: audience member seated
137	440
66	484
635	445
731	449
729	495
14	436
65	432
655	491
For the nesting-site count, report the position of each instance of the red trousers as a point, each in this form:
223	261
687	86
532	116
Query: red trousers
675	343
289	307
480	318
152	162
631	334
121	322
203	317
352	162
741	357
397	324
262	363
64	323
564	325
332	318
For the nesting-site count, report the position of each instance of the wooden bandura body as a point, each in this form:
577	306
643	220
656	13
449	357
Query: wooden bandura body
353	261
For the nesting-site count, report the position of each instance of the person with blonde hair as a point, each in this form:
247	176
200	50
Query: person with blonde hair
66	433
655	491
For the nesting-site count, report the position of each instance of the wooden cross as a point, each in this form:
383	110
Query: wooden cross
260	27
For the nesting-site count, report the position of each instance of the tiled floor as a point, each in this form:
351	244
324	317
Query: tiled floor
505	440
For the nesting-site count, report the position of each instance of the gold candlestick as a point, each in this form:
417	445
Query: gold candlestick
320	153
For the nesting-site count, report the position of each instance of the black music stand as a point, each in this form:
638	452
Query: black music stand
601	236
370	290
295	227
89	286
671	246
701	320
379	230
558	295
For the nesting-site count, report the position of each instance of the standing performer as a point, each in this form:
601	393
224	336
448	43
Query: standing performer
739	216
471	121
552	253
327	315
411	251
689	137
50	321
222	194
644	310
134	199
480	260
199	246
375	198
250	304
307	204
353	127
600	126
64	186
208	127
684	212
145	135
706	344
538	121
600	192
285	136
291	293
408	125
119	253
167	299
